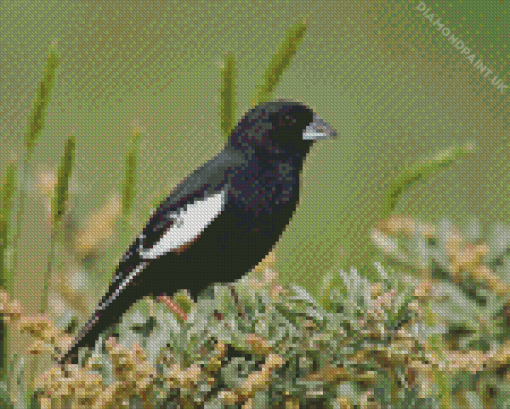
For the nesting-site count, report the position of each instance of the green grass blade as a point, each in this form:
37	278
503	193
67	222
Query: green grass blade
8	190
35	126
36	122
280	61
420	170
129	183
59	200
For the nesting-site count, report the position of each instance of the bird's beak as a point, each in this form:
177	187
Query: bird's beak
318	129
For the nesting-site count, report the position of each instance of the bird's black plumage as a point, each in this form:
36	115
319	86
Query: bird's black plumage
221	220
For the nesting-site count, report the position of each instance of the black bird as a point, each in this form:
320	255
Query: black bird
221	220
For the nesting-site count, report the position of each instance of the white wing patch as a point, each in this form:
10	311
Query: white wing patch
189	224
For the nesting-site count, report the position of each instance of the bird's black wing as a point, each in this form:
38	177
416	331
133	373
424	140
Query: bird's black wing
177	222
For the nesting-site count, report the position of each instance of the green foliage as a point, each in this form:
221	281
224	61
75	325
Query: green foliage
8	191
279	63
36	122
58	205
419	171
129	183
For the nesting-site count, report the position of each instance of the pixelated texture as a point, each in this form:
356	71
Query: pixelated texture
381	73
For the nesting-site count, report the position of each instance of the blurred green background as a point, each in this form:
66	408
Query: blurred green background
379	72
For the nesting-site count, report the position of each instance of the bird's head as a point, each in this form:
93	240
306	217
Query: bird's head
280	126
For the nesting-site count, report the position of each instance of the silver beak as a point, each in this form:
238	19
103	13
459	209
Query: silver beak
318	129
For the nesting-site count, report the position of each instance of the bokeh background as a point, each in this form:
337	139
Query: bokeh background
379	72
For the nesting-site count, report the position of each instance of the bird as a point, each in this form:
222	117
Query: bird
221	220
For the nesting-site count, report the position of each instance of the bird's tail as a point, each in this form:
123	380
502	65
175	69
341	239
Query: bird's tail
125	290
